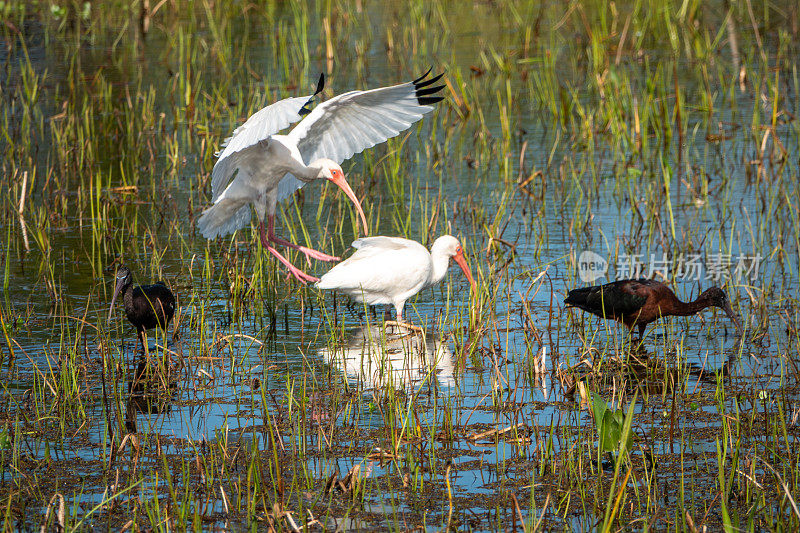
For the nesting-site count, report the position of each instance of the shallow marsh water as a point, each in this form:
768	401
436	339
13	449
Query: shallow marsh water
664	132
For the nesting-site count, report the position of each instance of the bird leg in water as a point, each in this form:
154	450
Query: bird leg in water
142	340
309	252
405	325
400	323
301	276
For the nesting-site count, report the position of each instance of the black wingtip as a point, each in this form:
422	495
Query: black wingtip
320	84
429	100
421	92
420	85
422	89
416	81
430	90
305	110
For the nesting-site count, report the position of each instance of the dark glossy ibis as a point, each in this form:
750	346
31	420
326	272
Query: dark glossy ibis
639	302
146	306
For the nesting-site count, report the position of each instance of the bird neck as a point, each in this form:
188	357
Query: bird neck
308	172
290	160
679	308
127	294
441	262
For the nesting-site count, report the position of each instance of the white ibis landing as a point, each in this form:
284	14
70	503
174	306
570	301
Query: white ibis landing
390	270
259	167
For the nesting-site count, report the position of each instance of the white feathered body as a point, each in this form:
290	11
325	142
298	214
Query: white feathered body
260	167
388	270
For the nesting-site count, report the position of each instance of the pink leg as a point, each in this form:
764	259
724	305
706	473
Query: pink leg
399	323
301	276
309	252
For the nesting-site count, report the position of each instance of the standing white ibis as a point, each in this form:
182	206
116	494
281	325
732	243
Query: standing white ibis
390	270
269	167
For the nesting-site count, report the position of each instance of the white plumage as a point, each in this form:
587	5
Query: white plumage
259	167
390	270
379	359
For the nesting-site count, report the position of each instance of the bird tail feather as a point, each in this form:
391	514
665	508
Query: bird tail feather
578	297
337	278
223	218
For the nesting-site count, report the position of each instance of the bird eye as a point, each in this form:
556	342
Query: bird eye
459	250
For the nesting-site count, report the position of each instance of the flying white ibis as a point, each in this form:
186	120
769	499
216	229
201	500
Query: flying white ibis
269	167
390	270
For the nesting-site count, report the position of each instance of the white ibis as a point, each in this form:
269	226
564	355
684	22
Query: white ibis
390	270
146	306
269	167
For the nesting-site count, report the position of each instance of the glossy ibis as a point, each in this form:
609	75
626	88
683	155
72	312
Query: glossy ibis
390	270
146	306
269	167
639	302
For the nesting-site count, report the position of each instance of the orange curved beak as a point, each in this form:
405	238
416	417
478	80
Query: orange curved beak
339	180
459	258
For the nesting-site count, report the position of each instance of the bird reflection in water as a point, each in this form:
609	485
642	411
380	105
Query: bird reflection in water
392	358
149	394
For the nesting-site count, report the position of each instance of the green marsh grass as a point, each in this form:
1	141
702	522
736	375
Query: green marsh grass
624	129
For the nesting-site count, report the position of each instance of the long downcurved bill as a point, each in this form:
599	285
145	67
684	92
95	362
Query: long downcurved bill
339	180
729	311
117	289
459	258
